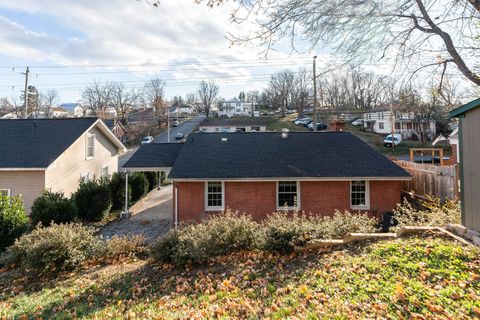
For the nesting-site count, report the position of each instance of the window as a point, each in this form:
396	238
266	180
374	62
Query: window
214	196
380	125
287	195
85	176
359	194
397	125
104	171
90	146
5	192
409	125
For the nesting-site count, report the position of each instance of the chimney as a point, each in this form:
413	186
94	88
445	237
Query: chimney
284	133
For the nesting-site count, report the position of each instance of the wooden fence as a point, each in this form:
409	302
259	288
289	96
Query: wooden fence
429	179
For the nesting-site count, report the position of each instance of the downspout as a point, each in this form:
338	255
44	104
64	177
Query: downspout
176	208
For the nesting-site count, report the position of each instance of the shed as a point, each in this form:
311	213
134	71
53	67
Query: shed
469	151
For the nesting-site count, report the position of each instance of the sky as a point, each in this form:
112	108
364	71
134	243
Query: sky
68	44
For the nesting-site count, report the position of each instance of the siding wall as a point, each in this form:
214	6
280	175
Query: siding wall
470	159
65	173
259	198
28	184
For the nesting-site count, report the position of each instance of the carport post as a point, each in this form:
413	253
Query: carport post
126	214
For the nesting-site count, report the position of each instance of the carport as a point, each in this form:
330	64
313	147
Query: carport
153	157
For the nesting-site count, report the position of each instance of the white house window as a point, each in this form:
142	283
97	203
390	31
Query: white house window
5	192
359	194
104	171
90	145
380	125
287	195
214	195
85	176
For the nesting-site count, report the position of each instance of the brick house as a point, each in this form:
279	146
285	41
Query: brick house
314	172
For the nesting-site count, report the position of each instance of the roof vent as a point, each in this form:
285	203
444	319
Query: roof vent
224	139
284	133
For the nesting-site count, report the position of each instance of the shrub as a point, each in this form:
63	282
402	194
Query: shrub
57	247
281	232
93	199
139	184
117	189
53	206
152	178
435	213
341	224
13	220
218	235
125	247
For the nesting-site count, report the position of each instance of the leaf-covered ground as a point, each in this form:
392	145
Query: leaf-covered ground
414	278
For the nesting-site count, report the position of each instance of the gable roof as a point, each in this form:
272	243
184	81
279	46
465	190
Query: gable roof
154	155
460	111
251	121
69	106
36	143
266	155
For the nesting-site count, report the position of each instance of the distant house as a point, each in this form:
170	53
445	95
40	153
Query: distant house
262	173
141	115
469	160
118	129
382	121
233	125
60	113
54	154
75	109
234	108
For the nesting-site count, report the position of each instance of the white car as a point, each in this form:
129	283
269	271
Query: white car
175	123
147	140
357	122
303	121
397	138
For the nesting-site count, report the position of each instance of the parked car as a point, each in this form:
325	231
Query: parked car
303	121
147	140
179	136
175	123
320	126
397	138
357	122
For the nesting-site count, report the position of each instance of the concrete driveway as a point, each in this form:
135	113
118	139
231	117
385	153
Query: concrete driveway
151	217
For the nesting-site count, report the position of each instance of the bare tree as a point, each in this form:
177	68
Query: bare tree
155	95
207	93
13	105
98	97
425	33
124	100
281	85
301	89
47	101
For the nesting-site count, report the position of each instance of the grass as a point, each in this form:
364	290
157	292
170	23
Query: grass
277	123
423	278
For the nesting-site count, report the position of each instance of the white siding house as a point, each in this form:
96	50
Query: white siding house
234	108
382	121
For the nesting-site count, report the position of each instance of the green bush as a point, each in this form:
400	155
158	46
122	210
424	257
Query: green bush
93	199
53	206
435	213
341	224
57	247
281	232
139	185
152	178
117	189
13	220
221	234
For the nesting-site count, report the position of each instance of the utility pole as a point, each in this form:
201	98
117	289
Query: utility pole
314	94
392	117
168	124
26	91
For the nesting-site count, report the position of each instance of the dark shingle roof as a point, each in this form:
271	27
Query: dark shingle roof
154	155
268	155
36	143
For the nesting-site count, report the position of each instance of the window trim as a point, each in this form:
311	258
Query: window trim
216	208
105	166
84	175
367	196
9	191
89	135
283	208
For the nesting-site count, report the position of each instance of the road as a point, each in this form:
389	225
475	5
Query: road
185	127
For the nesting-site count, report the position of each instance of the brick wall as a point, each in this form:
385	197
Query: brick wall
259	198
